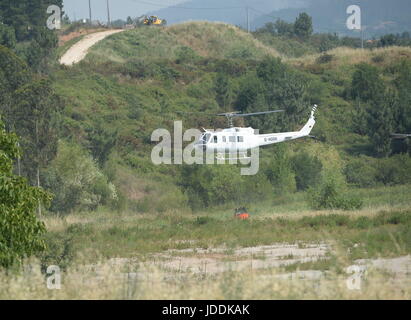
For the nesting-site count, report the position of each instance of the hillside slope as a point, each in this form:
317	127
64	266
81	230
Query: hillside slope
134	82
205	39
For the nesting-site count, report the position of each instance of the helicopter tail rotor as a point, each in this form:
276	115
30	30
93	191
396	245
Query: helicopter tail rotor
310	123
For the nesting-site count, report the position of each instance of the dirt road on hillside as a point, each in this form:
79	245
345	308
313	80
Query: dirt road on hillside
79	50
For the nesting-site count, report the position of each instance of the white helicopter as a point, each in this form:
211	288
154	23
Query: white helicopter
238	140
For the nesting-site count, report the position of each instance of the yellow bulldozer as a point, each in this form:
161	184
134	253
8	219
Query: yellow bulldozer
155	21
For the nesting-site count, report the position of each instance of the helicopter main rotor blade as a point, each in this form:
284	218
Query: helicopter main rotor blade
253	113
230	114
196	112
400	135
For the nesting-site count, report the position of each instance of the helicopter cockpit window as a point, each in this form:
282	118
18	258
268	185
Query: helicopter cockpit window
206	137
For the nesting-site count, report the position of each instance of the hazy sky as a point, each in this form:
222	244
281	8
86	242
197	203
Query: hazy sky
119	9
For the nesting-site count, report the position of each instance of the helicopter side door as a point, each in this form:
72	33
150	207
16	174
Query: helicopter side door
232	142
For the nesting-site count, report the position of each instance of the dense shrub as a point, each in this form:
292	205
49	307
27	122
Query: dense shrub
77	181
7	36
307	170
186	55
257	188
160	199
225	184
361	172
368	172
394	170
331	194
208	185
279	171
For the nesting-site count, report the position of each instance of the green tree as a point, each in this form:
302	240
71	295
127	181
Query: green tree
35	117
249	95
380	121
332	193
194	179
7	36
257	188
268	27
226	184
361	172
41	49
307	170
207	185
284	28
326	41
25	16
101	142
303	26
20	231
223	90
66	20
388	40
13	74
279	171
366	82
76	181
402	114
394	170
282	88
27	20
376	107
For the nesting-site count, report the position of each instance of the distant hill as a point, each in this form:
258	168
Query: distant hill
379	16
230	11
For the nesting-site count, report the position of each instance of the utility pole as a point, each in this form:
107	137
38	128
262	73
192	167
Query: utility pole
248	19
362	38
108	14
89	9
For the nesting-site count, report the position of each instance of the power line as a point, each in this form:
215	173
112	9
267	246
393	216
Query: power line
188	8
264	14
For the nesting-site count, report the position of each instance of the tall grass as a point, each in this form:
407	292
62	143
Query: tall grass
106	281
107	255
344	56
387	233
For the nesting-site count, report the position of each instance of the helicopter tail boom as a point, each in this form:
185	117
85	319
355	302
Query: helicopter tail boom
305	131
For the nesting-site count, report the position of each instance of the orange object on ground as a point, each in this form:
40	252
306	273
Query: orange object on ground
241	213
242	216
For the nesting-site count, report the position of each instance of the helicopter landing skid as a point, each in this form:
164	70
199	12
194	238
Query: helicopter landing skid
233	156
